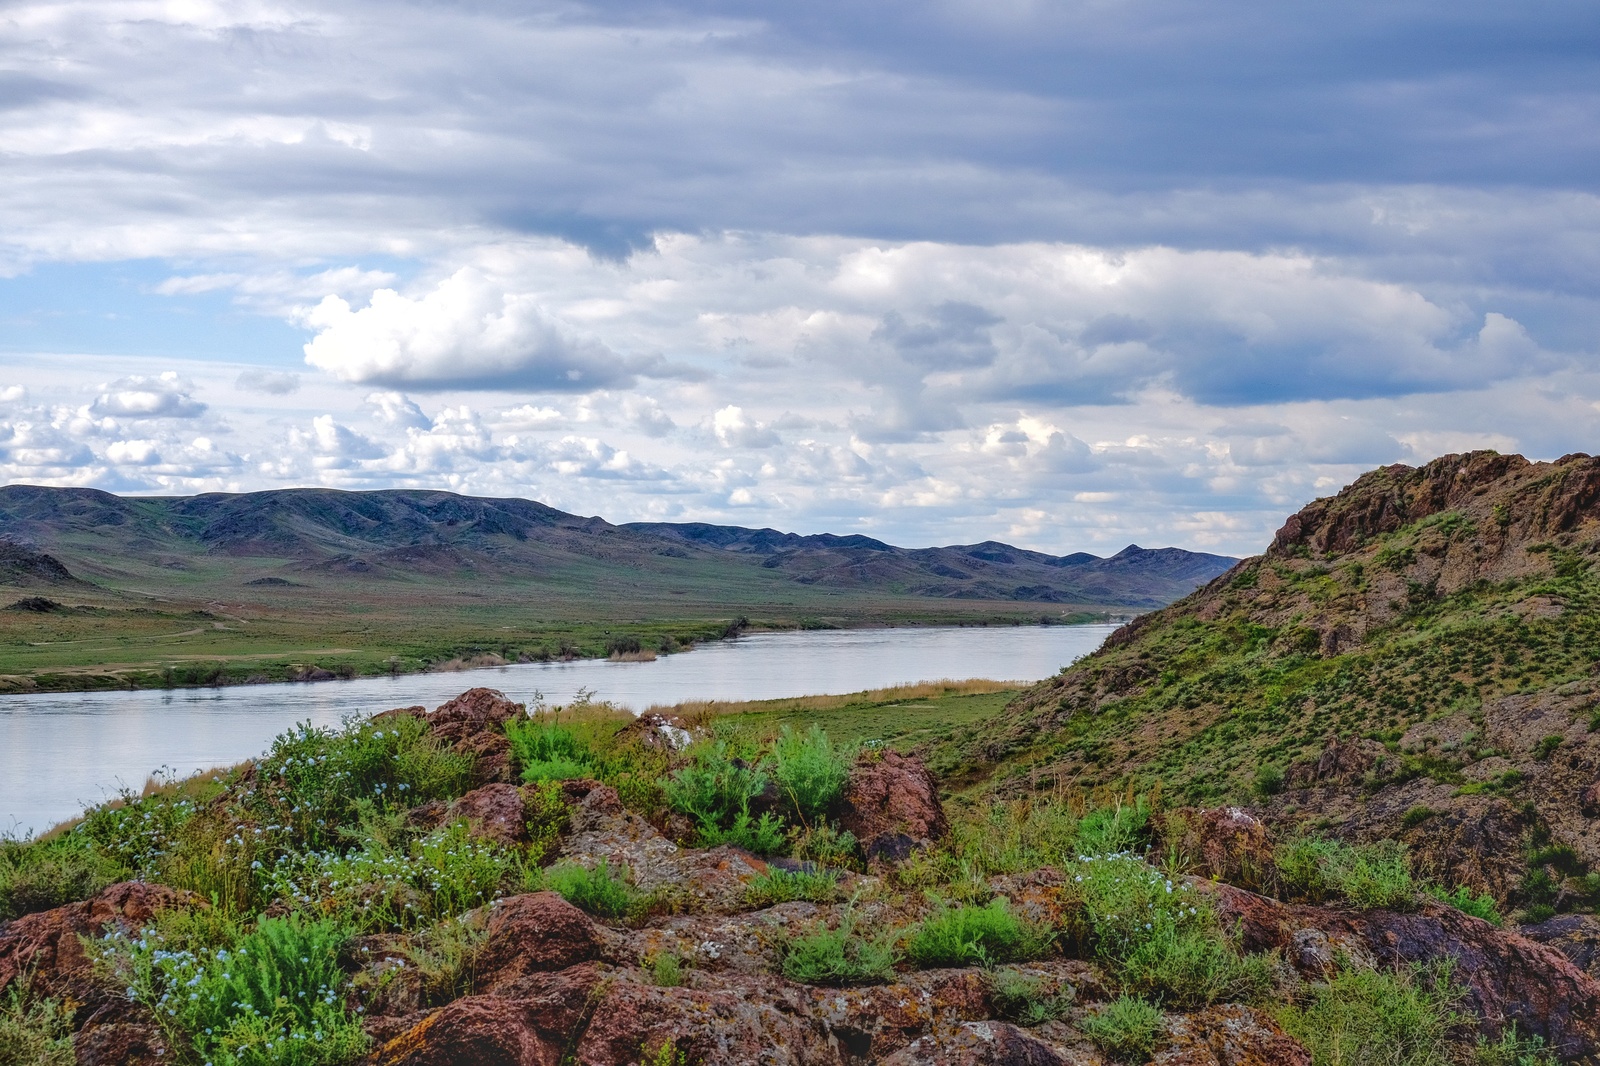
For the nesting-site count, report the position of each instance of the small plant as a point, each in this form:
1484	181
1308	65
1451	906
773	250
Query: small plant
548	751
715	790
783	886
824	845
1125	1029
1022	997
1404	1017
1547	746
1368	875
761	836
597	890
1110	830
665	1053
1416	816
34	1032
1269	780
839	956
1511	1050
1466	901
445	957
546	817
43	875
666	970
962	936
810	771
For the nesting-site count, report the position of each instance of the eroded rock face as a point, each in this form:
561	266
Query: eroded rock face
1342	762
1229	1035
46	943
532	934
121	1034
983	1044
1508	978
1577	936
494	812
889	800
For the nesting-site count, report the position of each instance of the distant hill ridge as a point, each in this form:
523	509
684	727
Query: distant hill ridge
282	532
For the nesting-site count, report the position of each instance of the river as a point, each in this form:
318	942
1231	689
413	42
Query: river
61	752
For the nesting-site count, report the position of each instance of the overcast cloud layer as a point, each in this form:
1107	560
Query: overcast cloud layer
1068	274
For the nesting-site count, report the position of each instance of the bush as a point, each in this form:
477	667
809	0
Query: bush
963	936
666	970
445	955
548	751
1415	816
839	956
1017	835
1466	901
34	1032
268	997
1368	875
715	790
1126	1029
1511	1050
1021	997
1109	830
440	875
313	780
762	836
1269	780
595	890
1360	1017
826	846
783	886
1160	937
810	772
43	875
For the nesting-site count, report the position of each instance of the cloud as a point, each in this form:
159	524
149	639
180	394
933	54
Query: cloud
735	429
397	409
271	382
164	396
466	333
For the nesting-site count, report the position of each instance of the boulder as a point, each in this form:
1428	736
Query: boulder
1342	762
536	1027
1507	978
1229	1035
532	934
889	797
493	812
474	724
121	1034
1225	843
1577	936
46	943
983	1044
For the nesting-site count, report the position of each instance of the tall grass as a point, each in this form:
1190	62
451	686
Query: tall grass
1406	1017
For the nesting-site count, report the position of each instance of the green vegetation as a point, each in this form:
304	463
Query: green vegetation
596	890
548	751
1368	875
1362	1017
967	936
1026	998
34	1032
1126	1029
810	771
1479	905
840	956
783	886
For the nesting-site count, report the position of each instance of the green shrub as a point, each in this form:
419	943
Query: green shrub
1466	901
1022	998
715	788
597	890
1511	1050
810	772
1547	746
34	1032
134	832
666	970
43	875
546	750
313	780
762	836
1125	1029
445	955
839	956
1109	830
1416	816
1269	780
1361	1017
1159	937
1016	835
547	815
377	886
268	997
1368	875
783	886
824	845
963	936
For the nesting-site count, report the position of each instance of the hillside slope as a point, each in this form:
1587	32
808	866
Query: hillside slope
1413	658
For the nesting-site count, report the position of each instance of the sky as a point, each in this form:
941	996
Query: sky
1071	275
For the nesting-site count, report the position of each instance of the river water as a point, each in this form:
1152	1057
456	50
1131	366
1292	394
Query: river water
61	752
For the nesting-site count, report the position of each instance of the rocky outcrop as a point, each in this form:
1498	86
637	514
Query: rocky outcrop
1225	844
1507	978
533	934
474	724
892	805
46	945
1342	762
984	1044
1229	1035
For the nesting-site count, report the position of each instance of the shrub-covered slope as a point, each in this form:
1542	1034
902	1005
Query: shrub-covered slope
1412	658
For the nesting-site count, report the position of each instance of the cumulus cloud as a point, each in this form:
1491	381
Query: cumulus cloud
162	396
735	429
468	332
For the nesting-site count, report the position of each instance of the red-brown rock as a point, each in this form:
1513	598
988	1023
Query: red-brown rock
980	1044
535	933
1341	762
890	799
1229	1035
1226	843
1508	978
46	943
536	1027
477	710
121	1034
494	812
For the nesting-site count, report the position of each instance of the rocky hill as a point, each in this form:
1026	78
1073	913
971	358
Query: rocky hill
1412	659
398	535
